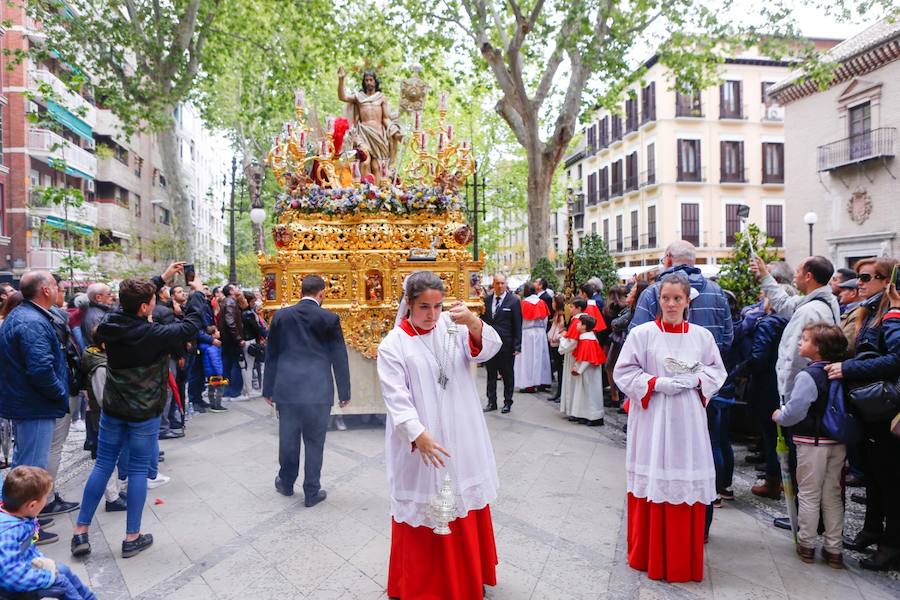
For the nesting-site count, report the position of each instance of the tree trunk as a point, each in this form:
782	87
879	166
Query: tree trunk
176	192
540	180
252	175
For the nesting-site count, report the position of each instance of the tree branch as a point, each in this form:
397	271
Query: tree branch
501	27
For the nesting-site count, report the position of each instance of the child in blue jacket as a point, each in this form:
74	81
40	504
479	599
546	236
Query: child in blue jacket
214	370
24	568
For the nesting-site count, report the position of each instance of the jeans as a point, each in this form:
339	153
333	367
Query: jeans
32	447
69	585
141	440
717	413
231	356
196	379
60	433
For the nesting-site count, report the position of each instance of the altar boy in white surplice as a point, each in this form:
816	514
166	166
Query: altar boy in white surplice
669	368
435	425
532	368
586	373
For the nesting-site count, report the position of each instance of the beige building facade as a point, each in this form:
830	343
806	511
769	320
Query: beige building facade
677	166
840	152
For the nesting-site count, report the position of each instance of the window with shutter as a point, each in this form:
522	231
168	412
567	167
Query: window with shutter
604	184
604	132
631	172
688	105
689	160
690	223
732	223
635	239
616	187
730	106
773	163
775	224
651	227
732	161
620	243
606	232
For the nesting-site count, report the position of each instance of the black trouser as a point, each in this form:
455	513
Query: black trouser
309	422
502	363
556	363
881	451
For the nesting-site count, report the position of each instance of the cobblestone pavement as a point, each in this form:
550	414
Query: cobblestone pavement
221	530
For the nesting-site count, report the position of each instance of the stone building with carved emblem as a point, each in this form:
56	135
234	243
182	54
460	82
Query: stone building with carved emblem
842	185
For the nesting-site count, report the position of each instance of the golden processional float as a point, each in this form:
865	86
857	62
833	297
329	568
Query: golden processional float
363	206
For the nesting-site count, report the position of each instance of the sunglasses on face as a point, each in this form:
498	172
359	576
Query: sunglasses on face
867	277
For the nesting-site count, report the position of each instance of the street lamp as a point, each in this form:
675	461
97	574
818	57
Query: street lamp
257	215
570	250
475	210
811	219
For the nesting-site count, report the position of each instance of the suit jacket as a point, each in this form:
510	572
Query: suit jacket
305	346
548	300
508	320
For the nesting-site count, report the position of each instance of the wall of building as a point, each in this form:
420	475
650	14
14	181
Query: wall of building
659	186
821	119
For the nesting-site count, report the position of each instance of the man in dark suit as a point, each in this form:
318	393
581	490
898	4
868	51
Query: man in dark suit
305	346
540	285
503	312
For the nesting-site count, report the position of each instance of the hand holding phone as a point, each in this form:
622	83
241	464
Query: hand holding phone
189	272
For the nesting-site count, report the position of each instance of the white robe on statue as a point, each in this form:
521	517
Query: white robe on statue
415	402
532	366
668	456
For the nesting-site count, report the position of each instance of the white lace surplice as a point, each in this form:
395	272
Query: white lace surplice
532	367
668	455
408	374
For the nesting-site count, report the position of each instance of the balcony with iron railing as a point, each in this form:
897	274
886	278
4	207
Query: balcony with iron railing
732	113
868	145
694	176
733	176
685	109
49	147
631	182
772	177
620	244
615	189
648	178
69	100
631	123
604	194
617	130
578	222
648	241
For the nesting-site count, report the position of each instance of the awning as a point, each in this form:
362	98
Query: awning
70	120
71	170
626	273
58	223
120	235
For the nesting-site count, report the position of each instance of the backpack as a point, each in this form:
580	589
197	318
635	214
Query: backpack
838	422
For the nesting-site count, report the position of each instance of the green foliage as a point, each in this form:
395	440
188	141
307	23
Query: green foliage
546	269
592	259
735	275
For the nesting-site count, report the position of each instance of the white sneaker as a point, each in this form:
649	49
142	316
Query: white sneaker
339	423
78	425
159	481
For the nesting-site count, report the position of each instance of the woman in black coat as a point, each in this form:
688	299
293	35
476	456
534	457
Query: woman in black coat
877	359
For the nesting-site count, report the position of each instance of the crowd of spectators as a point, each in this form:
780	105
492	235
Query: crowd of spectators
129	364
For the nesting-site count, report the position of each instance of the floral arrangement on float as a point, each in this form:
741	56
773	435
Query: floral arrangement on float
370	198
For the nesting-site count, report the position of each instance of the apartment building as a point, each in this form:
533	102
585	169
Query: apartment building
841	149
672	165
54	138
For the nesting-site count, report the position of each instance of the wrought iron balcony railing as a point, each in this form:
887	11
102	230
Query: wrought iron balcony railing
858	148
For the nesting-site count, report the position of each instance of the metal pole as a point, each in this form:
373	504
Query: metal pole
810	239
475	215
232	267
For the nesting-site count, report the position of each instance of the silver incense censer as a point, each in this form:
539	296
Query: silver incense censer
443	507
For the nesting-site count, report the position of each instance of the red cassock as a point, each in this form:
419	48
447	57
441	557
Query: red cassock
594	311
427	566
589	350
653	529
533	312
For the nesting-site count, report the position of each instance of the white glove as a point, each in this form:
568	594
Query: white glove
46	564
687	381
668	386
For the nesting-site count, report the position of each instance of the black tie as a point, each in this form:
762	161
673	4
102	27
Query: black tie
496	305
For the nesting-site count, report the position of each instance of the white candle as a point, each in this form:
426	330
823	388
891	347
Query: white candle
299	98
442	105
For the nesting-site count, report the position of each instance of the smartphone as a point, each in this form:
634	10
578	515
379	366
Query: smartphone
893	278
189	272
